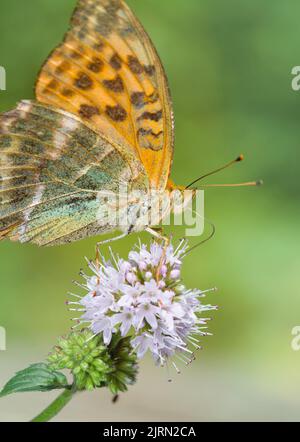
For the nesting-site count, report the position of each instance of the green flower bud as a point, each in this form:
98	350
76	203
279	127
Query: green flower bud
93	364
125	366
74	353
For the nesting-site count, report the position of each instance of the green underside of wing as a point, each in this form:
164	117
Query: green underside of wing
51	169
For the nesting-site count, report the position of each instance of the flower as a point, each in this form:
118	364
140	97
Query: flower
144	298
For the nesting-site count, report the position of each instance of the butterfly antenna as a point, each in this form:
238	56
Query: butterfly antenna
247	184
237	160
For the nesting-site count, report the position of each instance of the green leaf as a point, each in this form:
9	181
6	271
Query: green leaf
37	377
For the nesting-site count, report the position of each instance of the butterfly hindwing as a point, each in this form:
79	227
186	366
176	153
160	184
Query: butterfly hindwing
108	73
52	169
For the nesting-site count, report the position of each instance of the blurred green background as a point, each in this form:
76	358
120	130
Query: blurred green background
229	66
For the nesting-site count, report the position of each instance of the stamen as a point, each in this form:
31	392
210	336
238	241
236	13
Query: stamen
179	245
168	373
83	275
75	296
176	368
191	338
89	339
185	349
195	345
181	359
113	258
82	286
75	326
214	289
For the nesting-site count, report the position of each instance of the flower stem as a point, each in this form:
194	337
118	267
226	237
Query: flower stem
56	406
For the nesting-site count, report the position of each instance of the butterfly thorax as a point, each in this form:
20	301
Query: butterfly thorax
138	210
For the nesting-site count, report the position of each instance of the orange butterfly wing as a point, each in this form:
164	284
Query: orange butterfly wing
108	72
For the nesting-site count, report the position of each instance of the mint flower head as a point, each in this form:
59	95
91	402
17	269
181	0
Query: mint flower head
145	299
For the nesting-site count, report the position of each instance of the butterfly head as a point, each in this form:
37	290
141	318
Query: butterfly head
180	197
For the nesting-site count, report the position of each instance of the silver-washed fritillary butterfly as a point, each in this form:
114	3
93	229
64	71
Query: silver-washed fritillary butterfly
102	119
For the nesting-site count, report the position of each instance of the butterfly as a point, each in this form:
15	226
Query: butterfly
102	119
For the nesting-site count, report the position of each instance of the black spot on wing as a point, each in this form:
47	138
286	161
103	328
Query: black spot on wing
150	70
88	112
67	92
115	85
116	62
138	99
116	113
134	65
96	65
144	132
83	81
153	116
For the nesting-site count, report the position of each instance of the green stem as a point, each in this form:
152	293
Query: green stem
56	406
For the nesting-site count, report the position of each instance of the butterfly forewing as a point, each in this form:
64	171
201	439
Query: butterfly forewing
108	73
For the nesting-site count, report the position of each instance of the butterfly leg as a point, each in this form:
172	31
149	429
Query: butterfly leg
107	241
115	238
158	233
